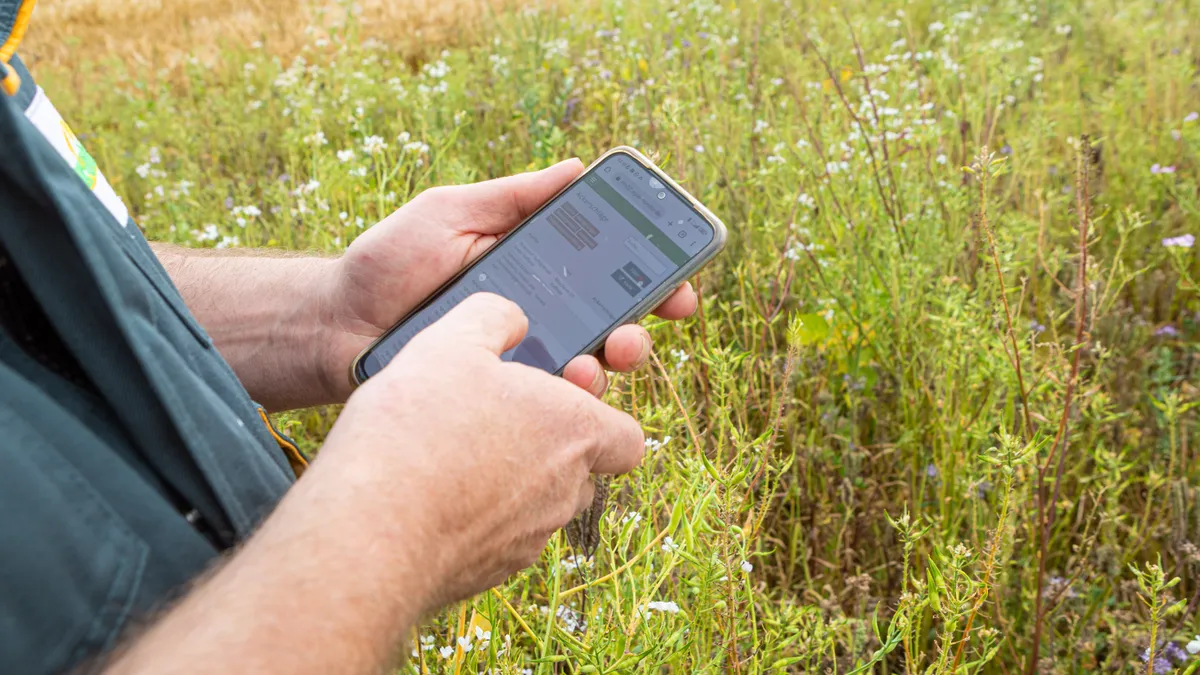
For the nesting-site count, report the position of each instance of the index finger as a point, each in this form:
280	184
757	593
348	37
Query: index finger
620	444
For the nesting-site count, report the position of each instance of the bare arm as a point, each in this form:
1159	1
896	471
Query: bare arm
321	588
268	313
406	509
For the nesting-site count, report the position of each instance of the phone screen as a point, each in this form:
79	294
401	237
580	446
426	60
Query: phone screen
577	267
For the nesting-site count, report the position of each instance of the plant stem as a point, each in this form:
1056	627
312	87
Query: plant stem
1015	357
1046	519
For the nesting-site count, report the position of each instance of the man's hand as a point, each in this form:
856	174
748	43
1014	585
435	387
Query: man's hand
445	474
396	264
491	457
290	326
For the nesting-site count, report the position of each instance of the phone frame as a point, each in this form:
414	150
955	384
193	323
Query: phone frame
638	311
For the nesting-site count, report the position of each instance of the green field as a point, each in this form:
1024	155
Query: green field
935	414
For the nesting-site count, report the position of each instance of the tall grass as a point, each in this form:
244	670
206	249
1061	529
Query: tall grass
935	415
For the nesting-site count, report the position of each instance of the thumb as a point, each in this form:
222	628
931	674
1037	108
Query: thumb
483	319
500	204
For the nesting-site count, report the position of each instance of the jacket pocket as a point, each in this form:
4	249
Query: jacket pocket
70	567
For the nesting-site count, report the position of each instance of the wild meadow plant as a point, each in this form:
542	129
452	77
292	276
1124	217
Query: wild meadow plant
936	411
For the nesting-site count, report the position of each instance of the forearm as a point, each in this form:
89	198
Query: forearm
321	588
269	316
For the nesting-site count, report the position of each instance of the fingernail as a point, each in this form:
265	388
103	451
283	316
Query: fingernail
644	355
597	380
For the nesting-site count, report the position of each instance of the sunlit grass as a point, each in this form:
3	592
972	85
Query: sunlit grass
841	474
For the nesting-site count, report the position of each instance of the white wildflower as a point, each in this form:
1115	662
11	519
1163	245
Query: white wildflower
374	144
681	357
665	606
653	444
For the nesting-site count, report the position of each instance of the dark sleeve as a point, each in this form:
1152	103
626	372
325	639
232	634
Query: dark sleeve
70	567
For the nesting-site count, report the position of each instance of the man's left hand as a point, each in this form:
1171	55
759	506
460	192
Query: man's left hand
392	267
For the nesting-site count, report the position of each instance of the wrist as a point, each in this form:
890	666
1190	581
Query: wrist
334	342
349	508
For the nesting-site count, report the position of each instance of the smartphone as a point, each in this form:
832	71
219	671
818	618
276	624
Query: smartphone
603	252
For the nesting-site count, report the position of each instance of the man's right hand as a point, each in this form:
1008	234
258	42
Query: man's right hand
445	473
472	462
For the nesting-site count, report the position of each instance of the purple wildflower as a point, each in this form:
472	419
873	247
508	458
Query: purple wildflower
1192	116
1182	241
686	43
1161	664
1175	134
229	202
1174	652
1167	331
704	36
569	112
931	471
1006	150
1036	327
1157	169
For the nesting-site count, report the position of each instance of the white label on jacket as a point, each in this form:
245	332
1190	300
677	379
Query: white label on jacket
47	120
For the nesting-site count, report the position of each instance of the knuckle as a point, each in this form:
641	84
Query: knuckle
434	194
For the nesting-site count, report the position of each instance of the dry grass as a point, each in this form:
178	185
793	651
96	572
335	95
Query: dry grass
158	34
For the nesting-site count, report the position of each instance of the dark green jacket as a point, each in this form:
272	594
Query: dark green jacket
130	455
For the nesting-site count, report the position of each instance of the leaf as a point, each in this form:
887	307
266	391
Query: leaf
934	578
809	329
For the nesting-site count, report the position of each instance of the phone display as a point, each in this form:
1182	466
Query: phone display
590	259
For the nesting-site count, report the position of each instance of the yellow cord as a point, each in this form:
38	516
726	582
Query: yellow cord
12	81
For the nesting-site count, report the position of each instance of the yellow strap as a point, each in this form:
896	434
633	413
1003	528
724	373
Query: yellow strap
20	25
12	81
295	459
